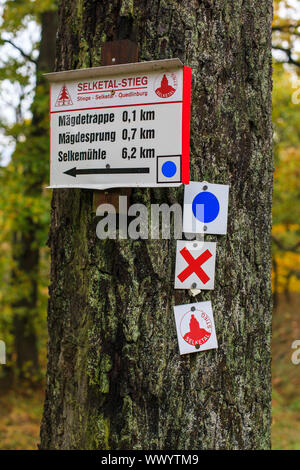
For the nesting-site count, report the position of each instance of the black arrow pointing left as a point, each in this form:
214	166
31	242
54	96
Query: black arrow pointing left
105	171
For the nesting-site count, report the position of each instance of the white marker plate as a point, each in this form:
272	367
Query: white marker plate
195	265
195	327
205	208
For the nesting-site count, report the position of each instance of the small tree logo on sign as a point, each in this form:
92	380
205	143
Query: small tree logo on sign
196	328
64	98
165	85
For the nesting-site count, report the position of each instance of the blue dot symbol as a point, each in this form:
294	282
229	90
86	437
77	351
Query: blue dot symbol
169	169
206	207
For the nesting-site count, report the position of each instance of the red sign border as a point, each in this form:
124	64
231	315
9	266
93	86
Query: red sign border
186	123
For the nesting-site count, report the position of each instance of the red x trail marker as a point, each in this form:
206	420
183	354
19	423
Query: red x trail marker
195	265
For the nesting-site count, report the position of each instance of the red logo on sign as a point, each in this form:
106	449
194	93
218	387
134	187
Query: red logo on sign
196	328
64	98
194	265
167	85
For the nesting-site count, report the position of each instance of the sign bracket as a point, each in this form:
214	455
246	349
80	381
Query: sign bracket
122	51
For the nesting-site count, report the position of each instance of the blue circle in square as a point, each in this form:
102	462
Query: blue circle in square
169	169
211	207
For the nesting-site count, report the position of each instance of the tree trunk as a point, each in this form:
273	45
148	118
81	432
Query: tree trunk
25	244
115	376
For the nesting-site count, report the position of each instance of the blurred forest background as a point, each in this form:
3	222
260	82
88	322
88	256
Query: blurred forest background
27	50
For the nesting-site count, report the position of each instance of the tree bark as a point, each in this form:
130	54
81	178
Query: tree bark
115	376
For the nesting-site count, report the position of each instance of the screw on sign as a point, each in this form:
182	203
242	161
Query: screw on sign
195	265
195	327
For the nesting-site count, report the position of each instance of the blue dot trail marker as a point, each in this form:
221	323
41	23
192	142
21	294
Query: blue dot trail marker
211	207
169	169
205	208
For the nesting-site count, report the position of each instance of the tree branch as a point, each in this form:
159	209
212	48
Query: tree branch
285	27
289	53
280	245
26	56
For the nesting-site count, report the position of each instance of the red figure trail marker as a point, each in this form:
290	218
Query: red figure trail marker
166	90
196	334
195	327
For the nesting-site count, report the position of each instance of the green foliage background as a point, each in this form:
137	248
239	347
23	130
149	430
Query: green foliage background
24	201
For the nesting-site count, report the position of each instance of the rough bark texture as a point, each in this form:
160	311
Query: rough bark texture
115	377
